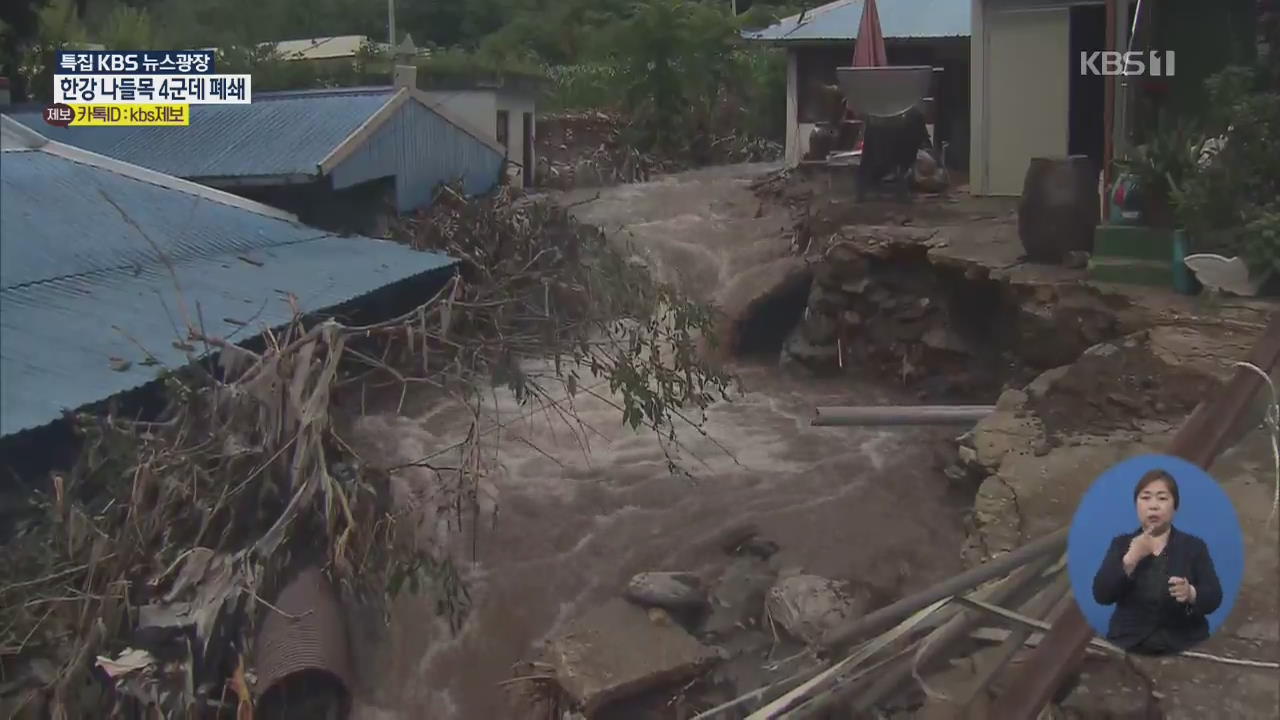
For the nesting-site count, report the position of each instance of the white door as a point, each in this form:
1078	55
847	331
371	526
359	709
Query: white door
1027	92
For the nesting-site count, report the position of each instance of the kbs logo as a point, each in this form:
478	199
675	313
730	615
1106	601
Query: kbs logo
115	63
1154	63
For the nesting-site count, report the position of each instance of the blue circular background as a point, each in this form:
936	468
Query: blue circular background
1107	510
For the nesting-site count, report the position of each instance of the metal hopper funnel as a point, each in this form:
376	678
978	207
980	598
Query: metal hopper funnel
884	91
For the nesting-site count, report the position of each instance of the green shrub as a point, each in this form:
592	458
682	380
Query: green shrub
1232	205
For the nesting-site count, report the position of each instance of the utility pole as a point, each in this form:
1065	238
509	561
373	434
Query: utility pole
391	23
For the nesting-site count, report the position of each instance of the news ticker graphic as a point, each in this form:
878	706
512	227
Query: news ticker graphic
153	89
135	62
159	83
118	115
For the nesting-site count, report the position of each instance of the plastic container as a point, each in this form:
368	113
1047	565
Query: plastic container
1124	202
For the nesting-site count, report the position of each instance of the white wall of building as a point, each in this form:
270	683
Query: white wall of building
476	108
1019	88
518	105
792	154
796	143
479	110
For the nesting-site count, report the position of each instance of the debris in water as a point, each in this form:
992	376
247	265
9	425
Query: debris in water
616	651
806	606
671	590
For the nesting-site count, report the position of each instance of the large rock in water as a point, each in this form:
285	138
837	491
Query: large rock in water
617	651
1059	207
672	590
806	606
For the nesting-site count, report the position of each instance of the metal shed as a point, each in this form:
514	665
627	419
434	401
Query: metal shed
101	260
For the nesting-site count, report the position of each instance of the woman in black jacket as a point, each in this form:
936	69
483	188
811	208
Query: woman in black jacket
1160	579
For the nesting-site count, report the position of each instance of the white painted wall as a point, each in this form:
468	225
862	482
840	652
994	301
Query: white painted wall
1028	92
479	110
791	145
474	108
1019	88
517	104
978	97
796	143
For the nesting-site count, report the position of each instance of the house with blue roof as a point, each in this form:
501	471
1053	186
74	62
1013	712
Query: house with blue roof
106	265
341	159
916	32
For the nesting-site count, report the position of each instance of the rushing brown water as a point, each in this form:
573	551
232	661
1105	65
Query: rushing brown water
570	516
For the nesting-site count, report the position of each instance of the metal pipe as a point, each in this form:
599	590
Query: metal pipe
901	415
1207	433
391	24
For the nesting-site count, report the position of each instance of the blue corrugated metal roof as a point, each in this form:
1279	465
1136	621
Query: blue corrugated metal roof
901	19
80	284
285	133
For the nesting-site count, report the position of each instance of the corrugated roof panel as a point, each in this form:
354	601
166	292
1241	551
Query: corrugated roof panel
66	218
277	134
13	138
92	292
901	19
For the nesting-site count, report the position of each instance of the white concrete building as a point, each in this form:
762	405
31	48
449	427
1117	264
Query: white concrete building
505	113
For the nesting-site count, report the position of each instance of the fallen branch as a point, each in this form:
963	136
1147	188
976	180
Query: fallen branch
246	474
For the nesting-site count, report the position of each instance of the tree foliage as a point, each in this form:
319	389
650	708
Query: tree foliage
1232	204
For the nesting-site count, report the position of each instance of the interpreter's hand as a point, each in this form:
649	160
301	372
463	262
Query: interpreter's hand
1181	590
1141	546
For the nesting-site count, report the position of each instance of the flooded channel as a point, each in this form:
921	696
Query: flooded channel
572	513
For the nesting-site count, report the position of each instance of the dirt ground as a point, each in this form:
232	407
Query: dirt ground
1105	392
1035	486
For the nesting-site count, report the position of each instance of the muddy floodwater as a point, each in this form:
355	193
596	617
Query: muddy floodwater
571	514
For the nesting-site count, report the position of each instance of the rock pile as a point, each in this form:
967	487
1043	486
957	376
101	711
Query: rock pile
682	640
876	303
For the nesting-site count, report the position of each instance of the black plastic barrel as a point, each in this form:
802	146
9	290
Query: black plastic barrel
1059	208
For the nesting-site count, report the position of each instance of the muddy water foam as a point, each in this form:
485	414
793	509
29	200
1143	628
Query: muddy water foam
570	516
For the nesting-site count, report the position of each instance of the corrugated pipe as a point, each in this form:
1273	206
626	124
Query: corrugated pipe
303	655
